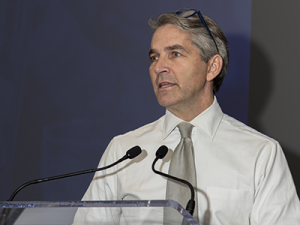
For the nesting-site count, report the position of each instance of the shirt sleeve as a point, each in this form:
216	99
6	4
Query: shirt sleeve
276	201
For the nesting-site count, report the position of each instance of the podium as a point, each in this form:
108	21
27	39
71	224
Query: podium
62	213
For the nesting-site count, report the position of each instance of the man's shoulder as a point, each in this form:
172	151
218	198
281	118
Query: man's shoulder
142	136
143	131
245	130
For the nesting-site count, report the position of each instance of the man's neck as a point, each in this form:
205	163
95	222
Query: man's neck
188	113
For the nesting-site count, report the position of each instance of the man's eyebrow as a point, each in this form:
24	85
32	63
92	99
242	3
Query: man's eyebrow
175	47
170	48
152	51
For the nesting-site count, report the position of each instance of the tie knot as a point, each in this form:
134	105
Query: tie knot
185	129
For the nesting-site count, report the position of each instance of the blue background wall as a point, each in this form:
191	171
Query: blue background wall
73	74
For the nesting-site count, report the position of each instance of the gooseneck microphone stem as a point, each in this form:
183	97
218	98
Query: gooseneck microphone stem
174	178
159	155
59	177
130	154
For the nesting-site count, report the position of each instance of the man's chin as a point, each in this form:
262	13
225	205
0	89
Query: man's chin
167	104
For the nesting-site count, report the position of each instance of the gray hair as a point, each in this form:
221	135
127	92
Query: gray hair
199	37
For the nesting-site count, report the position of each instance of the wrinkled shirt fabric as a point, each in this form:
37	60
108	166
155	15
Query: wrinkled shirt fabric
242	175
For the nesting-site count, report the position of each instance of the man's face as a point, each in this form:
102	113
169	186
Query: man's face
177	72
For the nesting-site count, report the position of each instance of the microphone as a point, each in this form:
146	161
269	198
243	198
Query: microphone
160	154
130	154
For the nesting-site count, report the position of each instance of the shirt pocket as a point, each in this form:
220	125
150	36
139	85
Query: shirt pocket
229	206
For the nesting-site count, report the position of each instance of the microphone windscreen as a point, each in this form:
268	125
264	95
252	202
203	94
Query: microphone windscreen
134	152
162	151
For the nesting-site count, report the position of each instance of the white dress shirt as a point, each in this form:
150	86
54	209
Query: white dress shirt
242	175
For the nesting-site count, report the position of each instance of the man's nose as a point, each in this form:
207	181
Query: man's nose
161	66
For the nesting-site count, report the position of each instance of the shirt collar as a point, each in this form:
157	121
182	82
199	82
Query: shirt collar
208	121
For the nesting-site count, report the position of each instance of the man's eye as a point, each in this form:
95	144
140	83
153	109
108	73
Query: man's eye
176	54
153	58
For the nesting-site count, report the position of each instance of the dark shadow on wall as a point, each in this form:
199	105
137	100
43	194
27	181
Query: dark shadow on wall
260	85
293	161
260	90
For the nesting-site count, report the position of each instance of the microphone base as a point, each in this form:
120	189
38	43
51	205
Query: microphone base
190	206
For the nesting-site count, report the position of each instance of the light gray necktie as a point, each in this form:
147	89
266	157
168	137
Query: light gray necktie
182	165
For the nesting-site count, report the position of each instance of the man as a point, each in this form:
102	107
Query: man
241	176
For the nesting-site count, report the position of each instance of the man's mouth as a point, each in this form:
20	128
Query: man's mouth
165	85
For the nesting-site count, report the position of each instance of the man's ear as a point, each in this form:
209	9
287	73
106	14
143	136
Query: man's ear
215	65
